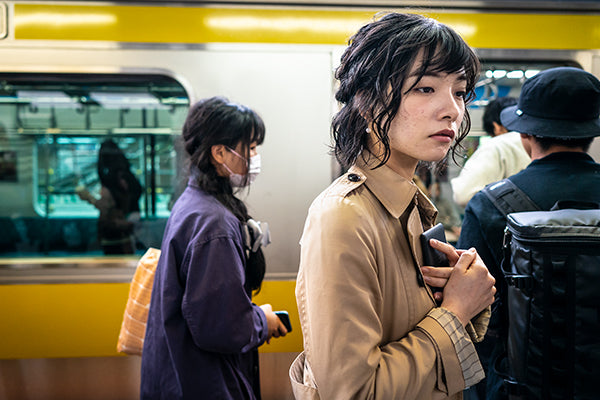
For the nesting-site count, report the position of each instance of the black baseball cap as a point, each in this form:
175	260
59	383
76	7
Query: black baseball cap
562	102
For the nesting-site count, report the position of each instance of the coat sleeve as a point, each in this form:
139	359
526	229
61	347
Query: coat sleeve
216	307
339	300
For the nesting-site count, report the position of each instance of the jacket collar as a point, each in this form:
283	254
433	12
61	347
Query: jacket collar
571	156
394	192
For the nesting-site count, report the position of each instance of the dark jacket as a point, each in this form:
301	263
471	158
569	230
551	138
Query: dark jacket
558	176
203	329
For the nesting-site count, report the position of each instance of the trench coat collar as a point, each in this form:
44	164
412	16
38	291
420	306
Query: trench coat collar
394	192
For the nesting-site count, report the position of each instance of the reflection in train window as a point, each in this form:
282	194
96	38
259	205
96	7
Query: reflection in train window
53	182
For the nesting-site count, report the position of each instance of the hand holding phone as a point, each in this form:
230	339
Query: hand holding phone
431	256
285	319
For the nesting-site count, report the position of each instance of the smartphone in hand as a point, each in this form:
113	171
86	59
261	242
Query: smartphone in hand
431	256
285	319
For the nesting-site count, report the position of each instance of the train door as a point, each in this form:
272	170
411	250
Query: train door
62	138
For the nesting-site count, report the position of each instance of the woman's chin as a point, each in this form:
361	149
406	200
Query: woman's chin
435	156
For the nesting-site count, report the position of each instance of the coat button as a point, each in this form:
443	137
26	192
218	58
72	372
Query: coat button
353	178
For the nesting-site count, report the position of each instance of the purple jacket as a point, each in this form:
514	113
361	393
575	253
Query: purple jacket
202	329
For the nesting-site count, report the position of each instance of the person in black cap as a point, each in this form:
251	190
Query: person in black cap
557	115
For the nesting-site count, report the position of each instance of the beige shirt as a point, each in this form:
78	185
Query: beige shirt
497	158
370	329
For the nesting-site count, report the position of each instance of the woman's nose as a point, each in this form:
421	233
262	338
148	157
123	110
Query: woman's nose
451	106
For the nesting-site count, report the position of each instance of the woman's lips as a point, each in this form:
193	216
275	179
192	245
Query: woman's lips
445	135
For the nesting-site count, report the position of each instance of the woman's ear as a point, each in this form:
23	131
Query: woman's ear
217	151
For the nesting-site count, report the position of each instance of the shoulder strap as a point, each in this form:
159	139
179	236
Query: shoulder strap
507	197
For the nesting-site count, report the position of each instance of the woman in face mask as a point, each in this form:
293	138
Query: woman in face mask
203	330
251	166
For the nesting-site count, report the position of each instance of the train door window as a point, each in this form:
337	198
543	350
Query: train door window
505	78
84	156
501	78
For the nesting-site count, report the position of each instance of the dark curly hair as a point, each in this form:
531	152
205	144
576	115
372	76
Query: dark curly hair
215	121
374	68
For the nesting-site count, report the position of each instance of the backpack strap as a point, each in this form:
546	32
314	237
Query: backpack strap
508	198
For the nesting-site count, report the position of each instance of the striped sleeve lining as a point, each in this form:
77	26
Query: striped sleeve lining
467	355
478	326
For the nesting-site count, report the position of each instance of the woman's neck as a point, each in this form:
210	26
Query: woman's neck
397	162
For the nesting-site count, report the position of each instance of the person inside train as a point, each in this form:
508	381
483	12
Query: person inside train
119	207
497	158
372	328
203	330
557	113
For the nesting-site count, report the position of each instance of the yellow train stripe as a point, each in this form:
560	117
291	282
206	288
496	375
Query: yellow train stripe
61	320
83	320
281	296
156	24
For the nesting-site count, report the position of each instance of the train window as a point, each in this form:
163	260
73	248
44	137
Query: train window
504	78
499	78
79	152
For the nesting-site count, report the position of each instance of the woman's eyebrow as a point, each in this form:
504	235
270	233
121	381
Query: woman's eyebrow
462	76
418	73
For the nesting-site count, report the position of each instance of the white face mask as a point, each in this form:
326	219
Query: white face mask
253	168
238	180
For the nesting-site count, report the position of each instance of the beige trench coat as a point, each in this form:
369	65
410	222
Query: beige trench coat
363	313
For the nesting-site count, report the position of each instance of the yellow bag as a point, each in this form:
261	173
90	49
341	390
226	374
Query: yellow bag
133	328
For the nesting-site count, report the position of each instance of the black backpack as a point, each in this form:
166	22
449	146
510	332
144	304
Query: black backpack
551	264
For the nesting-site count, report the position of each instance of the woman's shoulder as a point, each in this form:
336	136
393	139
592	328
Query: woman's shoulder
342	192
345	202
204	215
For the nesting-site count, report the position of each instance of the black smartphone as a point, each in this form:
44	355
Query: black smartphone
285	319
431	256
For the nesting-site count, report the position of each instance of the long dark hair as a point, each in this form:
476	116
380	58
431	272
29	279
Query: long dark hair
373	69
215	121
114	172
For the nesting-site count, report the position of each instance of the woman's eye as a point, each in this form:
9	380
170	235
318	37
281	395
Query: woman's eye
461	93
425	89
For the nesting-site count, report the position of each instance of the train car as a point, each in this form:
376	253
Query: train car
76	74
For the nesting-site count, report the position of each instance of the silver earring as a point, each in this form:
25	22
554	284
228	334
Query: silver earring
368	130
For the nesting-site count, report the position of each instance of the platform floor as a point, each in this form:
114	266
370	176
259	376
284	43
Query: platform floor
111	378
